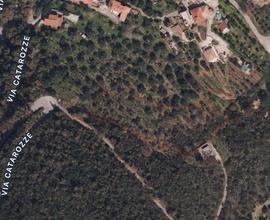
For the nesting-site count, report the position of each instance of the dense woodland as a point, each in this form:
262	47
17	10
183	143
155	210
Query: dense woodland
154	104
67	173
247	140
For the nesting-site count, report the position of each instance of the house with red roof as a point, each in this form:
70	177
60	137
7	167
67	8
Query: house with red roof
89	3
200	13
223	26
54	20
119	10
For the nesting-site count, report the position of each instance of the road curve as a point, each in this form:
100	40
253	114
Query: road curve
264	40
48	103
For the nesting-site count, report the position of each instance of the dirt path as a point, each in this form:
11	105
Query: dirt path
225	183
225	192
264	40
142	12
161	205
258	209
48	102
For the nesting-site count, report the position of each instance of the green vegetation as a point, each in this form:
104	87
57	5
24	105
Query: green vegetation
65	172
260	15
156	106
242	42
124	72
248	164
155	8
188	190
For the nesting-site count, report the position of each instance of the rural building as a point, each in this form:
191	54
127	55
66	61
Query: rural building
89	3
119	10
54	20
210	54
187	18
72	18
206	151
223	26
200	13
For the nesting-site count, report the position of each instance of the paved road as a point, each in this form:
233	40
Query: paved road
264	40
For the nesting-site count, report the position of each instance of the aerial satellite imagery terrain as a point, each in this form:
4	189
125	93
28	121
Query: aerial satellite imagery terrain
134	109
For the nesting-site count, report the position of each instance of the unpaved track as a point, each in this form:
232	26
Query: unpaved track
225	192
225	182
48	102
258	209
51	101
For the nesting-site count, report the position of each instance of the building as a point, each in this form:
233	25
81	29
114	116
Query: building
223	26
200	13
256	104
54	20
72	18
89	3
119	10
187	18
208	152
210	54
205	151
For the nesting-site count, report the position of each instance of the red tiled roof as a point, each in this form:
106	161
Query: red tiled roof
90	3
223	25
53	21
200	13
119	9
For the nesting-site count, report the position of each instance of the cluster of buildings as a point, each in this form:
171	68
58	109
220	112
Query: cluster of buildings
114	10
198	16
115	7
181	20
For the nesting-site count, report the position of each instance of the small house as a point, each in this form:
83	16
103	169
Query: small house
210	54
119	10
223	26
54	20
200	13
187	18
89	3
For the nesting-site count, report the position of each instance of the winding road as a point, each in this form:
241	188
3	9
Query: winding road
264	40
48	103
